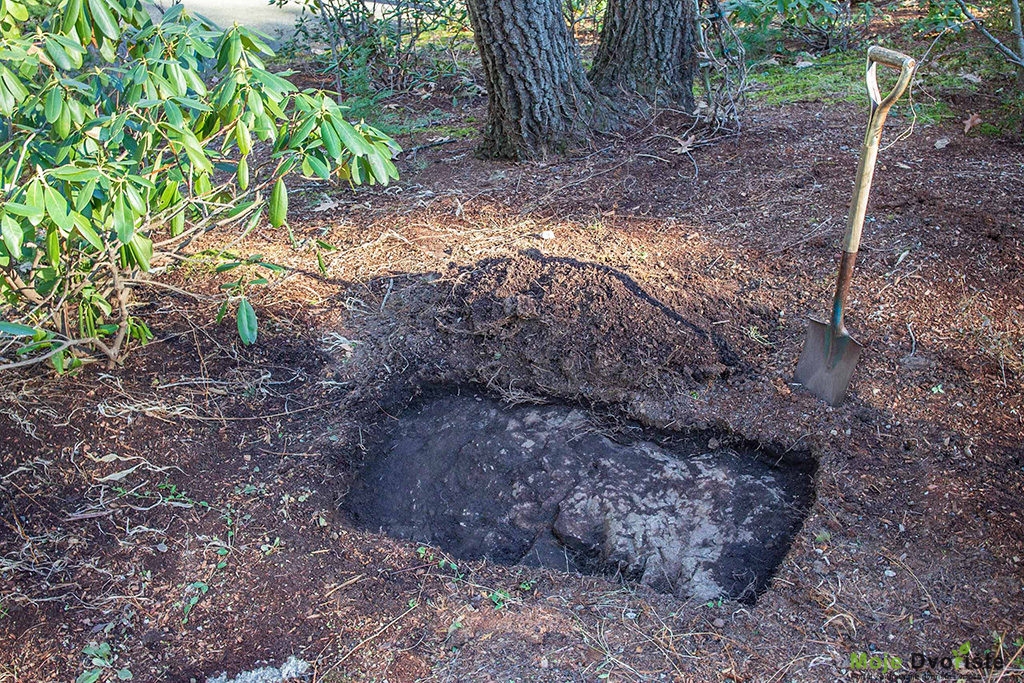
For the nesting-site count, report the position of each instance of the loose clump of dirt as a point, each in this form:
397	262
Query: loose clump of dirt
618	337
543	486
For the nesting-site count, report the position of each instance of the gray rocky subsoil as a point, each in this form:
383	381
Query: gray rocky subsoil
546	486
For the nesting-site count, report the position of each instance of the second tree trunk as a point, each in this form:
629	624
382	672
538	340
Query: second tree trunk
539	99
647	50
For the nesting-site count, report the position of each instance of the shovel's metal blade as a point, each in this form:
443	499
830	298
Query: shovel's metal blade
827	362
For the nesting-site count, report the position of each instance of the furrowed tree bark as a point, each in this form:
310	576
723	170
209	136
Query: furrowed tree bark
539	99
648	50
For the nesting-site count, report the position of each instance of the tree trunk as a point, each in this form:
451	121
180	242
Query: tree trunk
647	50
539	99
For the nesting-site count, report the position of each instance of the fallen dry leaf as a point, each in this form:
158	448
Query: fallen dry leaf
684	145
970	122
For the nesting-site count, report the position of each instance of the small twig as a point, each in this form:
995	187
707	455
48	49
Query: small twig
384	301
256	417
172	288
436	143
122	301
1010	55
366	640
808	236
566	186
64	346
1009	663
927	595
787	666
355	579
652	156
76	517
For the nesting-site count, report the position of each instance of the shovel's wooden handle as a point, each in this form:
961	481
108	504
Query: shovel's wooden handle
866	169
842	291
869	150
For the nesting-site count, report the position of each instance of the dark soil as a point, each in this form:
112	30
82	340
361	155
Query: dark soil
544	486
516	308
185	508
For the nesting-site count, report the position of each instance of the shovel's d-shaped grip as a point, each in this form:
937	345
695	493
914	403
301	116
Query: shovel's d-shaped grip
895	60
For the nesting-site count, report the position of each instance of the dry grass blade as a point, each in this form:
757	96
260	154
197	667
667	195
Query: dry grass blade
363	642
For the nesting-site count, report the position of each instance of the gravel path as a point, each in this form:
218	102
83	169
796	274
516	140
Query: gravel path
276	22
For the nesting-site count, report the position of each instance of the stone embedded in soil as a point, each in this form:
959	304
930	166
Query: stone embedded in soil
541	485
292	670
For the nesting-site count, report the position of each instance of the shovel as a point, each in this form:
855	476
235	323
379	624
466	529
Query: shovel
830	353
